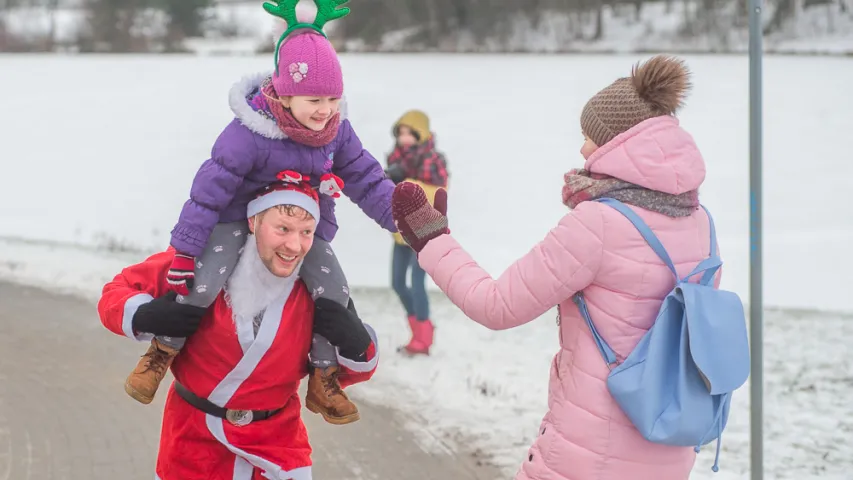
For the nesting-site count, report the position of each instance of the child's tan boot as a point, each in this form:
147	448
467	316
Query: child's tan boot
326	397
143	382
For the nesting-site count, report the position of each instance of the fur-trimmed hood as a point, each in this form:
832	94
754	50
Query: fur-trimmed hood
238	100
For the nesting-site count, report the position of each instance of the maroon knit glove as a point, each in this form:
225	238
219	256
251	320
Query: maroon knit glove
417	221
181	274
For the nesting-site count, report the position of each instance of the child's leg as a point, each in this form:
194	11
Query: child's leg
422	327
419	293
325	278
213	268
400	261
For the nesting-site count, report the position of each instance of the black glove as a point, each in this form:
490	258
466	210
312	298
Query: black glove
165	317
341	327
395	173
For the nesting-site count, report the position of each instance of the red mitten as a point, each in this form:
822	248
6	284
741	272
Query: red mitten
417	221
181	274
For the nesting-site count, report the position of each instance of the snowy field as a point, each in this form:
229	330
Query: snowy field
96	167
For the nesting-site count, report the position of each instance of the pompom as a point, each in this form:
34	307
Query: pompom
663	82
306	12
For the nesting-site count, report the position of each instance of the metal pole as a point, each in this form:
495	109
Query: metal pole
756	300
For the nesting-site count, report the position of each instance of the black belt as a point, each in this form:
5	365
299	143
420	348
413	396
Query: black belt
235	417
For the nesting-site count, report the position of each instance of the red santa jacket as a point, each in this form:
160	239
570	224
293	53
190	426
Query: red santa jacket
236	370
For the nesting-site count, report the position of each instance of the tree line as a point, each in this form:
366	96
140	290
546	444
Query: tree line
436	24
444	25
110	25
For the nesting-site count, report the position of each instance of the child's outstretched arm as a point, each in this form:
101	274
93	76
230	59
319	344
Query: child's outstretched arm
364	179
215	185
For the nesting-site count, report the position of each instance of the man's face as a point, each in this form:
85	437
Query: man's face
284	236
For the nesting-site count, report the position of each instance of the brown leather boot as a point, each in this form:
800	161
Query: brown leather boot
326	397
143	382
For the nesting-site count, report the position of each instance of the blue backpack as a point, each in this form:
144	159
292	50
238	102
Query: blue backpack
676	385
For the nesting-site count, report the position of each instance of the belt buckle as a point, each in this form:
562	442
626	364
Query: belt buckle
239	418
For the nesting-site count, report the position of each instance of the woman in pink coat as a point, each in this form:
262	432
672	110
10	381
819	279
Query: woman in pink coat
637	153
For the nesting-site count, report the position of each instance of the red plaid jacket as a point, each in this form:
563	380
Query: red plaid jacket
421	162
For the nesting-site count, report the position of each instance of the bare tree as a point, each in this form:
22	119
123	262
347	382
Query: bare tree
185	19
50	39
111	26
7	43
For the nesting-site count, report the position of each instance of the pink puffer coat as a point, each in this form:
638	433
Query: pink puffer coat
585	435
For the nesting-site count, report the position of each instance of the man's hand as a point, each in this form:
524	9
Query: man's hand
341	327
165	317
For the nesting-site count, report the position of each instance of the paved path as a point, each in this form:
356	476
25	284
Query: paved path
64	414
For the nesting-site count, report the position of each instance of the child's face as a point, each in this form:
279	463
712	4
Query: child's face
312	112
405	136
588	148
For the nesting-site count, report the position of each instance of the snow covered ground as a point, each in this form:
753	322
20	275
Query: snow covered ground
485	392
95	169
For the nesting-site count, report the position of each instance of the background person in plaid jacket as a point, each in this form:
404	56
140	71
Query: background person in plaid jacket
416	160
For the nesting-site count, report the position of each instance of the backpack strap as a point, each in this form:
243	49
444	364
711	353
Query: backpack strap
644	230
713	232
709	266
606	352
708	276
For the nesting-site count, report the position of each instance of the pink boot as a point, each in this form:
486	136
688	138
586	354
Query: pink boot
413	323
413	327
422	337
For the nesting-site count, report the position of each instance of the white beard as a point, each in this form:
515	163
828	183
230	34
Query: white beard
252	287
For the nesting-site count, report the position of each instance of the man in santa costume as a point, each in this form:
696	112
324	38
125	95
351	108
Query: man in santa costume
233	412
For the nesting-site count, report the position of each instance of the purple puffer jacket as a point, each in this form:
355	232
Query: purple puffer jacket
252	150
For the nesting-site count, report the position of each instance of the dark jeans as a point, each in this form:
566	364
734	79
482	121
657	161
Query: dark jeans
414	299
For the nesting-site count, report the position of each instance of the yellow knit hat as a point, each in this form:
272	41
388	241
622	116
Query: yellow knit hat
418	121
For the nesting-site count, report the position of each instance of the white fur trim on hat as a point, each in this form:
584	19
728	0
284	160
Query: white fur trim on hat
284	197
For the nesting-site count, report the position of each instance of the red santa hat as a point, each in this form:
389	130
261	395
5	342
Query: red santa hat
295	189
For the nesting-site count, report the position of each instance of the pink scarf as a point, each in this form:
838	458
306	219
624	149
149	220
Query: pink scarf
296	131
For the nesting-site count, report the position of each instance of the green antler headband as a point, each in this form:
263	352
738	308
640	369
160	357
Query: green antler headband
327	10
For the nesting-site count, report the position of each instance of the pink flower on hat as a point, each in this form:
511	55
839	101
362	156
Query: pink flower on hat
298	71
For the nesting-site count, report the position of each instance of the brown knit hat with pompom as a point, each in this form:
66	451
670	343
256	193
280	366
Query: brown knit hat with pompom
654	89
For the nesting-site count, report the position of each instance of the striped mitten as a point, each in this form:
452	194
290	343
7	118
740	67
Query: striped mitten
418	221
181	274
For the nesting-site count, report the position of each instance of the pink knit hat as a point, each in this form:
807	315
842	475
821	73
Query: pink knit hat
306	62
308	65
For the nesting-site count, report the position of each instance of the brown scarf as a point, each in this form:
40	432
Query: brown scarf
296	131
582	185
